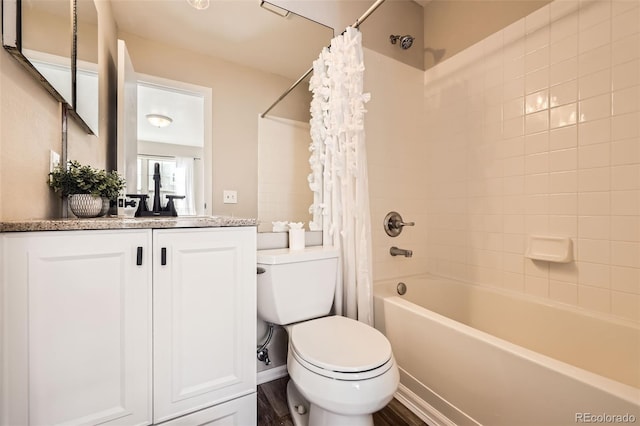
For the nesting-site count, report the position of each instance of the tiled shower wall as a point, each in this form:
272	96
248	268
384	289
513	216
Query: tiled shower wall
536	131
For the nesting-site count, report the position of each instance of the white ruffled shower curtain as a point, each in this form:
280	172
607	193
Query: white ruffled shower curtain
339	169
184	180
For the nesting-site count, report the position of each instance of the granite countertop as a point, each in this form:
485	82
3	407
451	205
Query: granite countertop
123	223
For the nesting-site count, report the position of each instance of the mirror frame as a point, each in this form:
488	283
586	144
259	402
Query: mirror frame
12	42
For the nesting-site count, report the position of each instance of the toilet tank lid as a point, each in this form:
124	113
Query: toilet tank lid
278	256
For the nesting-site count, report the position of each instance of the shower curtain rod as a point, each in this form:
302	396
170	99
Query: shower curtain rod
359	21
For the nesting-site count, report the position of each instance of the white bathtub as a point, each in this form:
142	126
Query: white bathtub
470	355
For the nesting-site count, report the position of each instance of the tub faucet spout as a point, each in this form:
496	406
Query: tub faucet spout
395	251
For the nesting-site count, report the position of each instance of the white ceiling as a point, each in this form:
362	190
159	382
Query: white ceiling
186	109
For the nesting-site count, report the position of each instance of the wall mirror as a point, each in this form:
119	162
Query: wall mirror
40	35
241	32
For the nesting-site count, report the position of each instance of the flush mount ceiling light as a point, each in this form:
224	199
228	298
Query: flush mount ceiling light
199	4
159	120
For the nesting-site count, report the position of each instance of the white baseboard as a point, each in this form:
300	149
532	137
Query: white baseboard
421	408
272	374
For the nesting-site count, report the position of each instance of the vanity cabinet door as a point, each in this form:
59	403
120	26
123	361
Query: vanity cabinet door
204	318
77	343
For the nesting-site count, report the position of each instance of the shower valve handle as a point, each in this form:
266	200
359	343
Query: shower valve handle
400	224
393	224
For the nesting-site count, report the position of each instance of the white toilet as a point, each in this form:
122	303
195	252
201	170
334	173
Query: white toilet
341	370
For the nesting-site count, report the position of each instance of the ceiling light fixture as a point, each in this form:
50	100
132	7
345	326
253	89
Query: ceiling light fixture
199	4
159	120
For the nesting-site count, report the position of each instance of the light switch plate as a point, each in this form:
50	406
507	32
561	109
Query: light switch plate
230	196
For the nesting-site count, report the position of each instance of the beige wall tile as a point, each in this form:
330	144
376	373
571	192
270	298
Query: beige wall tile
562	138
626	74
625	228
594	60
563	292
625	24
594	299
594	274
594	37
625	305
596	155
569	167
594	227
625	279
593	13
624	51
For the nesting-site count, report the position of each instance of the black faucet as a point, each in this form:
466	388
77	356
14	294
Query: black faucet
158	210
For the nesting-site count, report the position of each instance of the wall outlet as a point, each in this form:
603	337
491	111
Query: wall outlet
54	160
230	197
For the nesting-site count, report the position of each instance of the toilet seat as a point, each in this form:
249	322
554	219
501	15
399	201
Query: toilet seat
340	348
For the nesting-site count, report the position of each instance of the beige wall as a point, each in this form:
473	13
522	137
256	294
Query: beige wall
451	26
240	94
29	128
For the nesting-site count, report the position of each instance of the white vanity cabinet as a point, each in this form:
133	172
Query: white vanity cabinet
128	327
204	304
77	328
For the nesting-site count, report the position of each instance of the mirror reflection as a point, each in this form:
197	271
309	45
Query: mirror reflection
47	42
247	56
170	127
85	101
283	167
40	35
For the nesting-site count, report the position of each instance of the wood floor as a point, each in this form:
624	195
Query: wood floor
273	410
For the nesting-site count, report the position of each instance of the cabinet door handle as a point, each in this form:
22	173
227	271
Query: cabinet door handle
163	256
139	256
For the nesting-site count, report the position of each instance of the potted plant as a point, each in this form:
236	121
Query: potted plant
90	190
110	188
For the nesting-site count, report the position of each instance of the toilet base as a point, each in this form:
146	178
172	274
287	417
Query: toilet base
298	406
305	414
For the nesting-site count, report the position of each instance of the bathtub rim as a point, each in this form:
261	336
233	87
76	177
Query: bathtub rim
625	392
391	291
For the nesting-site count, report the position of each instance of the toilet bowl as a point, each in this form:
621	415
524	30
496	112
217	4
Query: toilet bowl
341	370
344	368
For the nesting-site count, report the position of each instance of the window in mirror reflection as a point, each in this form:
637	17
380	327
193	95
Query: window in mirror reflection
176	176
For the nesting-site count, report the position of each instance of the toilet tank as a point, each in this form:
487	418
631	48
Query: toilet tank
296	285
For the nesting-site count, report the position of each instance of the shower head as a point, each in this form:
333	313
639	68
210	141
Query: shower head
405	41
